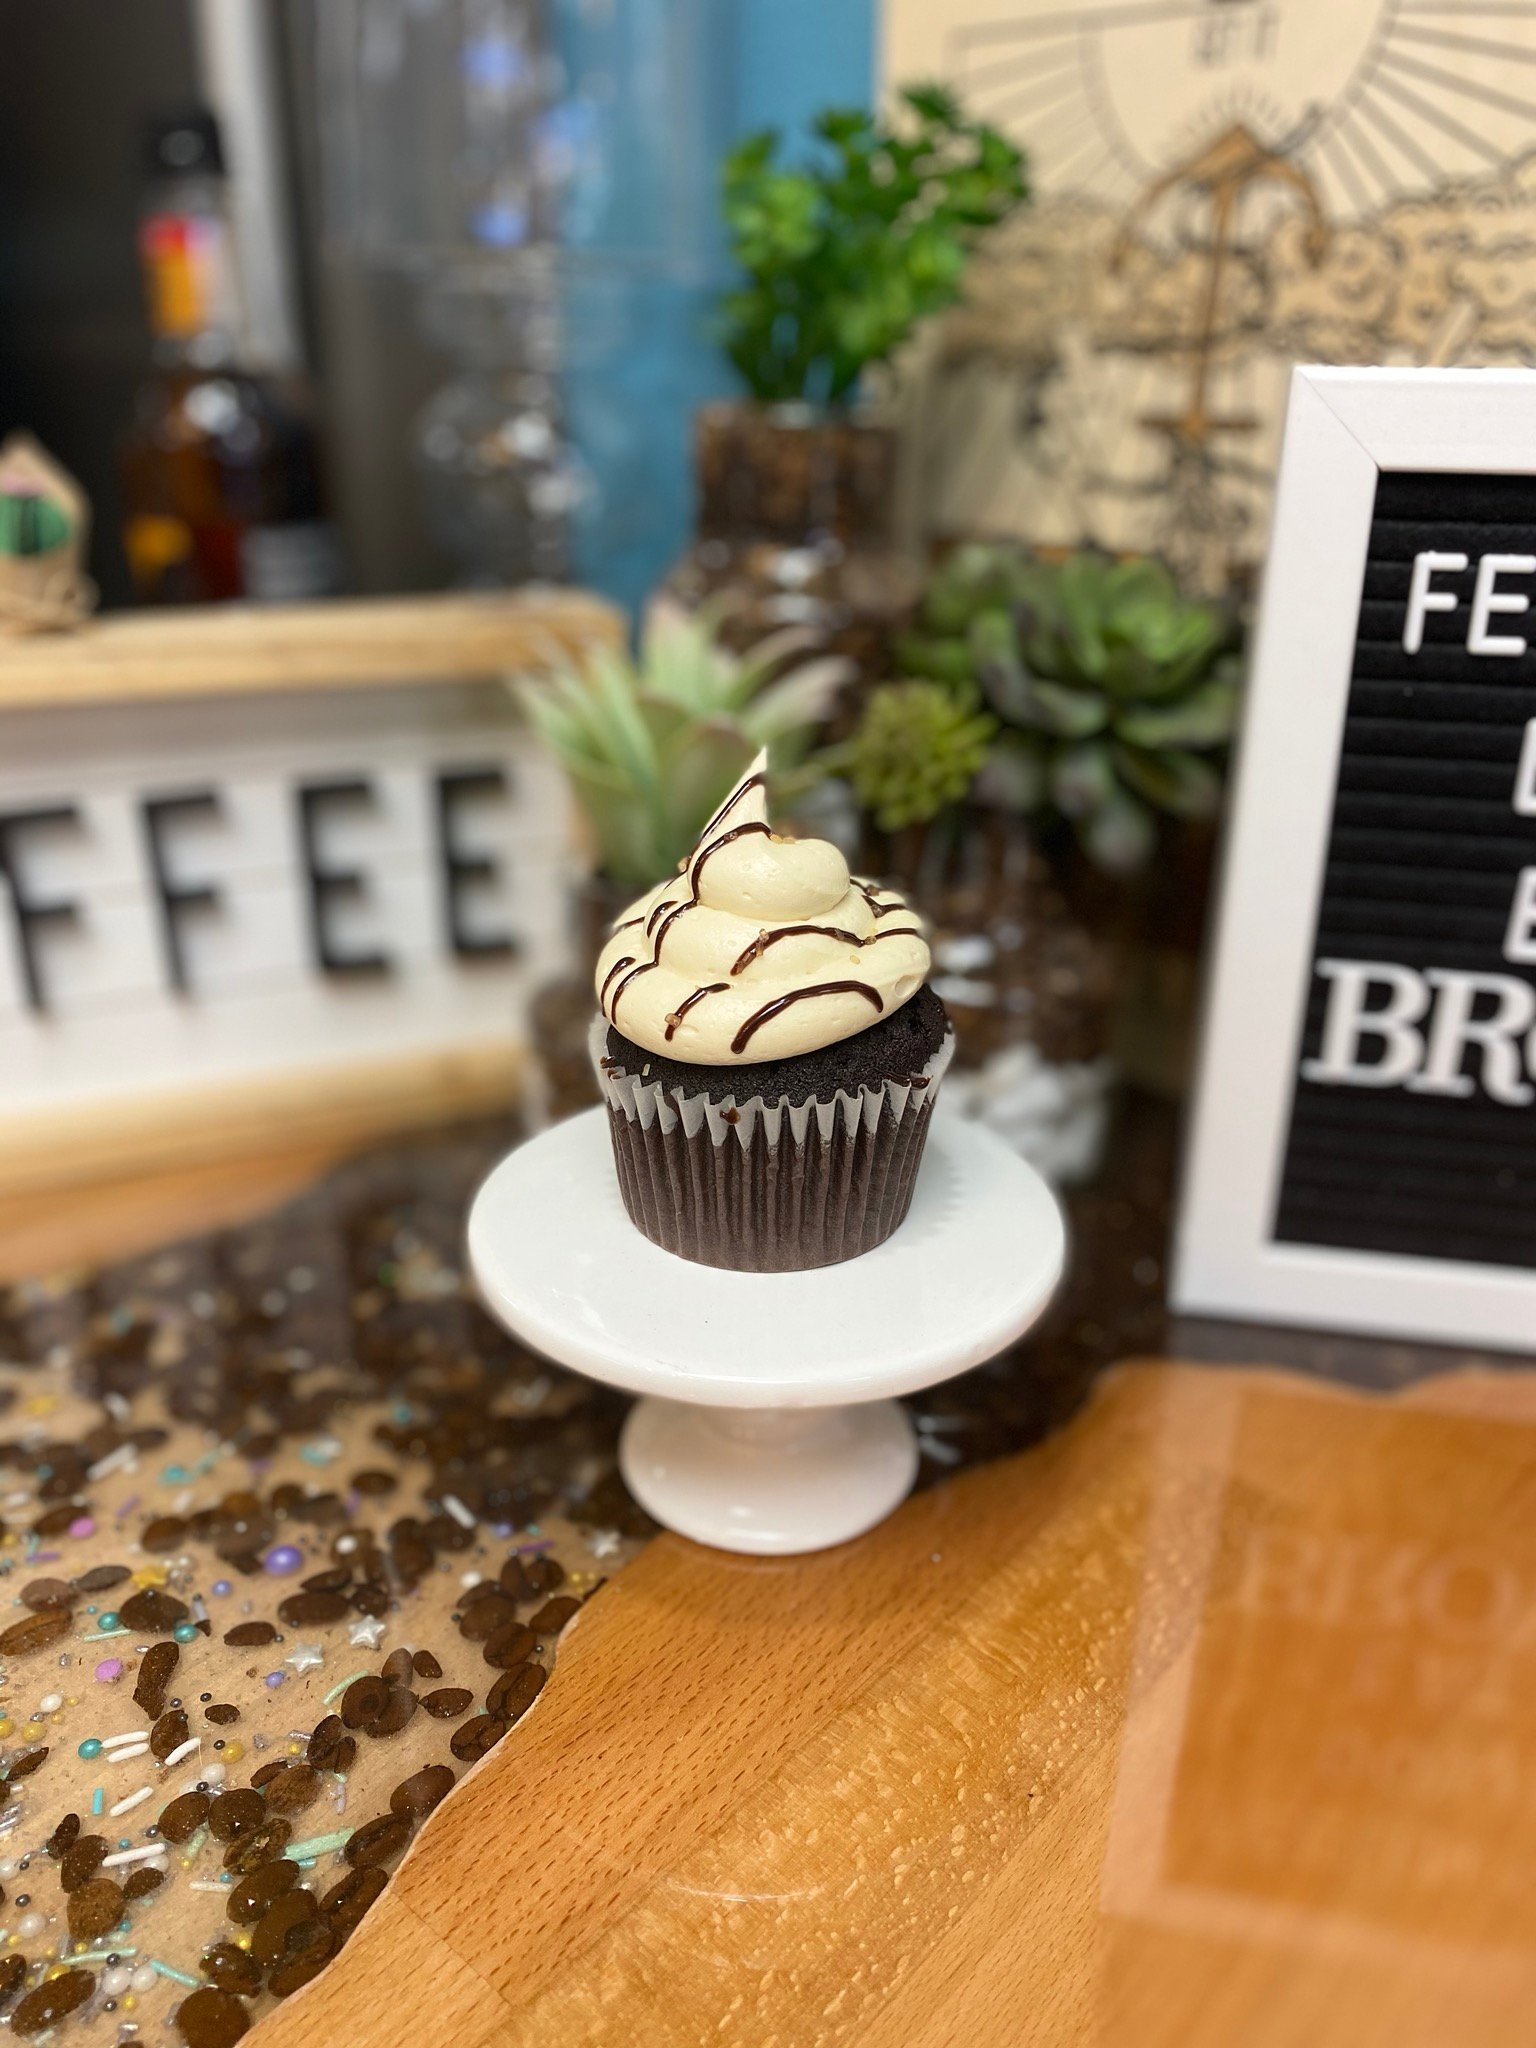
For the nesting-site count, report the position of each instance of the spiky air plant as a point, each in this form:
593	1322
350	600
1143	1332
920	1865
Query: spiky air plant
652	743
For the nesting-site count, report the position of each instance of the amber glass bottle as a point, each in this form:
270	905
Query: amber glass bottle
221	478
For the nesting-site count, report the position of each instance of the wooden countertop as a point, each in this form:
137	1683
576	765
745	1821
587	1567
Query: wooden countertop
1191	1727
1207	1721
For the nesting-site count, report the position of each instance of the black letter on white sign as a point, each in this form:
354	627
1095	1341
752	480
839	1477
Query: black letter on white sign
175	897
461	868
328	884
29	912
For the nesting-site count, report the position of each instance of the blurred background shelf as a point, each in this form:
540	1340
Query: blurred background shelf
464	636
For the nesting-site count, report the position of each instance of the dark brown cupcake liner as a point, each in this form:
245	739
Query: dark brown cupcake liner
765	1187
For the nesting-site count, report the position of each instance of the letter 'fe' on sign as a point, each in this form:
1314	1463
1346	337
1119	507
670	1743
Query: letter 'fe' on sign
1364	1146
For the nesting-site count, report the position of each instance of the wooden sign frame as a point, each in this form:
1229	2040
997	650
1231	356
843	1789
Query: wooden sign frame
266	669
1345	430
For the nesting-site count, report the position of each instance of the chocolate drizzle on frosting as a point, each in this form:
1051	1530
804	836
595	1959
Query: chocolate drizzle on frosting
772	921
624	960
714	988
799	995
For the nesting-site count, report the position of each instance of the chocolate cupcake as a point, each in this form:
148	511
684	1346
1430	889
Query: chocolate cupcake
768	1050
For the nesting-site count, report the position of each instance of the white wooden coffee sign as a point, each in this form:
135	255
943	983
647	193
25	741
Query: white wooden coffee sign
1364	1147
259	901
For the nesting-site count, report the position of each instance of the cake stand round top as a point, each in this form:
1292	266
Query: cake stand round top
558	1261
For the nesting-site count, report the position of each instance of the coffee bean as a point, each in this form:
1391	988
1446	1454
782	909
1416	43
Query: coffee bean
553	1615
279	1927
154	1612
211	2018
311	1610
232	1814
258	1845
36	1632
42	1594
168	1733
52	1999
414	1797
231	1969
395	1713
348	1900
544	1574
292	1790
100	1577
515	1691
94	1908
448	1702
509	1646
258	1891
301	1969
184	1816
472	1740
160	1660
484	1612
335	1579
250	1635
83	1860
64	1836
377	1841
322	1742
363	1701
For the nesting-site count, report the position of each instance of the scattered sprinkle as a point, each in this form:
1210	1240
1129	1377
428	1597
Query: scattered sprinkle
317	1846
176	1976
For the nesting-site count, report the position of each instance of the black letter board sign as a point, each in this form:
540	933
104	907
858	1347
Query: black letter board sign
1364	1149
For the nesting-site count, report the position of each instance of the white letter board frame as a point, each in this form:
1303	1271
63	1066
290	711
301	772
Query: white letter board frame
1344	428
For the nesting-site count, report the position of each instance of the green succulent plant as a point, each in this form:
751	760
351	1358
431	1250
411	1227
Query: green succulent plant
842	256
1116	694
916	750
651	744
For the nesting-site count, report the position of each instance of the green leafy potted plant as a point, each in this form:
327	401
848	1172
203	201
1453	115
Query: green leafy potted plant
1064	720
841	256
651	744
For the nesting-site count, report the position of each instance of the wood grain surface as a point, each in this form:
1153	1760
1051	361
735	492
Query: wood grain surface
212	650
1192	1727
319	1110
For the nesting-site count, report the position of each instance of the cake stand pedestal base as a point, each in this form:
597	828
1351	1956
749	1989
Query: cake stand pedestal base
769	1423
768	1480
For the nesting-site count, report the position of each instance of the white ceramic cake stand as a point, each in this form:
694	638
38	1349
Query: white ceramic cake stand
767	1423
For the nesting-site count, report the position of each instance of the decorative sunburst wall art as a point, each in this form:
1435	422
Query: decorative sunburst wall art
1226	187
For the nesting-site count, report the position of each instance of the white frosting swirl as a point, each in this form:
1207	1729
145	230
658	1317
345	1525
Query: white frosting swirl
759	948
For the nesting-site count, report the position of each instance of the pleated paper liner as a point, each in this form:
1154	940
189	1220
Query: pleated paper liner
767	1187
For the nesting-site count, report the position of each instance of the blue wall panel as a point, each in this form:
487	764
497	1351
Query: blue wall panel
657	90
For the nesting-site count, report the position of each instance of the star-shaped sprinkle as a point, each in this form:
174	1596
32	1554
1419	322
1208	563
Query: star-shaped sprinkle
366	1634
306	1657
605	1543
